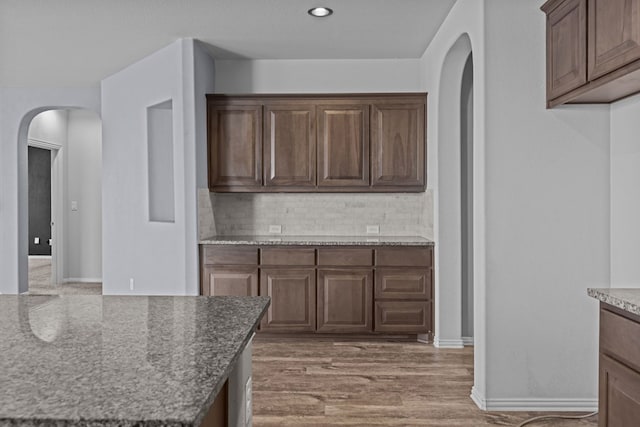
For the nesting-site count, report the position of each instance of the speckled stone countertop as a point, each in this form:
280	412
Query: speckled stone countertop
277	240
627	299
118	360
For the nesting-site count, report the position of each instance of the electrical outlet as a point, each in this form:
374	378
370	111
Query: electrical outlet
131	284
74	205
275	229
373	229
248	407
36	241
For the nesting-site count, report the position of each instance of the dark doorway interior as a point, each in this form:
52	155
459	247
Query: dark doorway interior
39	201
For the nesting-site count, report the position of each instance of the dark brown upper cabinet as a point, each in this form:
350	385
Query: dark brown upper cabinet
317	143
235	146
289	145
397	145
593	50
343	150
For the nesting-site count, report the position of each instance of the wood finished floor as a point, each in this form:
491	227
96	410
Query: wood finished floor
324	382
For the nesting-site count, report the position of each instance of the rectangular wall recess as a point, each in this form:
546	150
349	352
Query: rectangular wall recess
160	162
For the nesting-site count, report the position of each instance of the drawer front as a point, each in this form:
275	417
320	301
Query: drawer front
403	316
346	257
405	257
403	283
229	255
620	338
279	256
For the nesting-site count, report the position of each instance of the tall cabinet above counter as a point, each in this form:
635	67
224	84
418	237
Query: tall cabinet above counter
317	143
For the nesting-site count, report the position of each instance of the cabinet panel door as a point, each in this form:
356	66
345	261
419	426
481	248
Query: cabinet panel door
566	48
293	299
289	145
403	283
345	300
223	281
403	316
614	35
235	146
398	145
619	395
343	150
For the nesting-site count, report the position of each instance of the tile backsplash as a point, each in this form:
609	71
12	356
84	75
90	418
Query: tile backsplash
308	214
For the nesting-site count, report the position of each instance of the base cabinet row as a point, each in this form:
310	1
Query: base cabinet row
332	299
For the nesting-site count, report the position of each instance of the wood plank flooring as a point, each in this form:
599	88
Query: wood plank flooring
327	382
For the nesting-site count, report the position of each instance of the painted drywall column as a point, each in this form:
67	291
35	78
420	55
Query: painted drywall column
18	106
143	256
625	193
466	19
547	223
83	185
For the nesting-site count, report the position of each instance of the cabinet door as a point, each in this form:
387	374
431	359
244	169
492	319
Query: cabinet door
398	145
619	395
566	47
403	316
231	281
614	35
289	145
235	146
343	150
293	299
345	300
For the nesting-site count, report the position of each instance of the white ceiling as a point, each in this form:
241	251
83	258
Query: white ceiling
79	42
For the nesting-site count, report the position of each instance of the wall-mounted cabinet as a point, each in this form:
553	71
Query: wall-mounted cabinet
317	143
593	50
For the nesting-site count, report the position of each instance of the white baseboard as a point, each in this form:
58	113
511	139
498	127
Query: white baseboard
542	405
478	399
447	343
39	256
82	280
467	341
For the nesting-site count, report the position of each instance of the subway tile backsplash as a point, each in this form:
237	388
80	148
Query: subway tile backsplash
397	214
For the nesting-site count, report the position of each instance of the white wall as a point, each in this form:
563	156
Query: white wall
49	126
547	223
160	257
625	193
317	76
18	106
83	184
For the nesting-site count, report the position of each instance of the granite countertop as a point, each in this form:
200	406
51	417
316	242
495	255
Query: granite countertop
118	360
627	299
277	240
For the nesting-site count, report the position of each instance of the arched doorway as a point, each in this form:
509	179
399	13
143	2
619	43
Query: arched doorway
72	138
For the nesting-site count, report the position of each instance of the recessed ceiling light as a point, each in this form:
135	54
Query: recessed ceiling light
320	12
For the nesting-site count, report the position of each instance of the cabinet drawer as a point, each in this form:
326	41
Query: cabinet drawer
620	338
403	316
348	257
229	255
239	281
279	256
406	257
403	283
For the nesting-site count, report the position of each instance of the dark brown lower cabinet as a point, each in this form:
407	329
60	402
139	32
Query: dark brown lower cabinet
230	281
345	297
619	394
293	299
218	414
402	316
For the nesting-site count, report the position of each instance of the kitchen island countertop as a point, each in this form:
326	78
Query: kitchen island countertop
627	299
118	360
281	240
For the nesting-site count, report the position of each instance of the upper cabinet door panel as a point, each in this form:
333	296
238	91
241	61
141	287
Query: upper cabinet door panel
398	145
614	35
343	149
566	47
235	147
289	145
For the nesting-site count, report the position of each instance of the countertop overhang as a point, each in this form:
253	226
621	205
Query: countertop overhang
277	240
119	360
627	299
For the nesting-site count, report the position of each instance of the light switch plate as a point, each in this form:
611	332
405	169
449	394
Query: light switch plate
275	229
74	205
373	229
